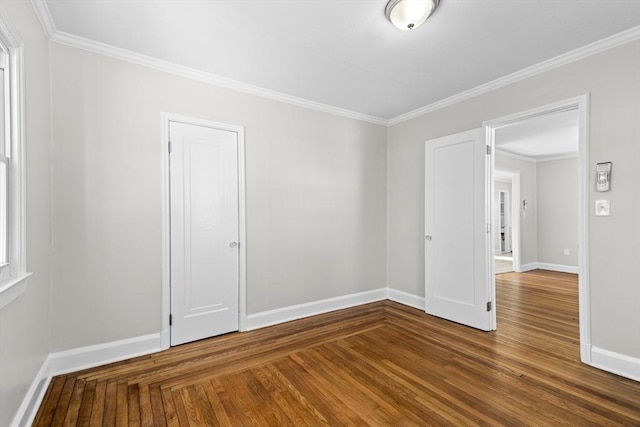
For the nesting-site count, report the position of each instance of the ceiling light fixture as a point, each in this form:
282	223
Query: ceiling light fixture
409	14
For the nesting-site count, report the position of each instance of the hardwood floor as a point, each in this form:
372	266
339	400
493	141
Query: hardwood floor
377	364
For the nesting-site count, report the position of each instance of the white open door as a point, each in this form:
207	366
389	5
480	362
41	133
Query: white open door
457	276
204	234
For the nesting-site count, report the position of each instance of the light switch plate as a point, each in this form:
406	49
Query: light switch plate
602	207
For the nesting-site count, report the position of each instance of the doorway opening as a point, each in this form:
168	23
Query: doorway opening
506	221
523	205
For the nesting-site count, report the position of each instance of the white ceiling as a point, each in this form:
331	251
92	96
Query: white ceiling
344	53
541	138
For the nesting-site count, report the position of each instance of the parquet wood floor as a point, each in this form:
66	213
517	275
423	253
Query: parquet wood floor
380	364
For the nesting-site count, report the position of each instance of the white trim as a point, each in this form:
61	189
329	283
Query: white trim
580	103
551	267
616	363
49	28
165	209
558	267
32	400
299	311
558	157
12	278
513	177
165	120
45	18
61	37
242	231
97	355
584	291
536	160
514	156
13	288
406	298
101	354
542	67
78	359
528	267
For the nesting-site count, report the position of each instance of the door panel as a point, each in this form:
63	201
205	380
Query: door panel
456	239
204	232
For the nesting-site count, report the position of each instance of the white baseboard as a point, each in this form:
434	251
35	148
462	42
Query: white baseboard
558	267
101	354
405	298
31	402
528	267
547	266
165	339
75	360
616	363
294	312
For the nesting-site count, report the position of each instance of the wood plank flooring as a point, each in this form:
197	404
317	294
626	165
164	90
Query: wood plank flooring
380	364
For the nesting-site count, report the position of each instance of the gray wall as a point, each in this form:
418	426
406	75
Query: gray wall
316	196
24	323
557	211
551	189
611	77
321	190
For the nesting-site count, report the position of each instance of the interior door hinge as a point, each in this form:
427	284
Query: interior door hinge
169	146
489	306
488	227
170	319
488	149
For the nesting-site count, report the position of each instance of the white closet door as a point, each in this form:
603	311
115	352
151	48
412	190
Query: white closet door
204	232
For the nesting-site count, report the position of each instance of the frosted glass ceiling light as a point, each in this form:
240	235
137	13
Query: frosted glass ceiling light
409	14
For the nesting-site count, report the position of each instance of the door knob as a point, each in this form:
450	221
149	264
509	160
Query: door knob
233	244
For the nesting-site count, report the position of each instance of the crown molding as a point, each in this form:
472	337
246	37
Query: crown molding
557	157
515	156
192	73
537	159
49	27
44	16
60	37
564	59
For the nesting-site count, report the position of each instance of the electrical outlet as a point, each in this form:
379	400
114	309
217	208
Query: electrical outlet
603	207
566	252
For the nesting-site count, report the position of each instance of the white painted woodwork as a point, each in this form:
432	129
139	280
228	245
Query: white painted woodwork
456	248
580	103
504	215
347	46
204	232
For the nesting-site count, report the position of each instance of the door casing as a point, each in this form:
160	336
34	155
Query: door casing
581	104
514	177
166	119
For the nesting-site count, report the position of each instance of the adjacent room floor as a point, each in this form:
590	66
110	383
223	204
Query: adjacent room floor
380	364
503	263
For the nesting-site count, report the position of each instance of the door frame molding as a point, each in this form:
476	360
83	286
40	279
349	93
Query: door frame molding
165	120
514	178
581	104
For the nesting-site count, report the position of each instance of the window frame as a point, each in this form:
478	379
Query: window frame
13	275
5	159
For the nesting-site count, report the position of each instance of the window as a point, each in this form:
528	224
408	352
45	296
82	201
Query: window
5	155
12	197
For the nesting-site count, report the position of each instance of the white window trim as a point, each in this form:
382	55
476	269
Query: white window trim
13	277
